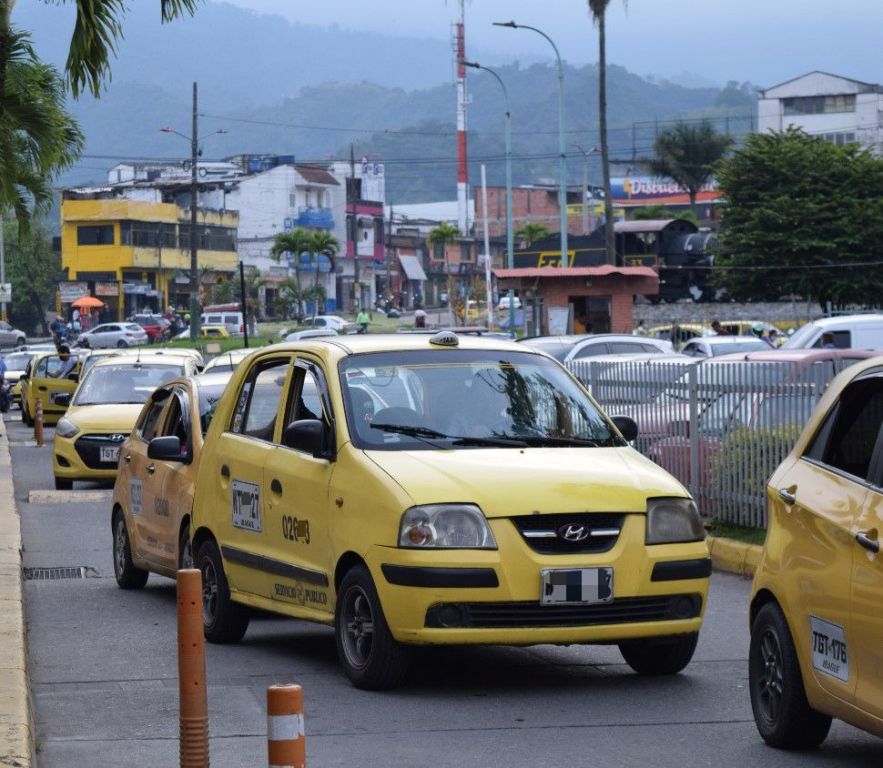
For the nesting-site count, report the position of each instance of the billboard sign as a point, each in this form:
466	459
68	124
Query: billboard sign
5	292
657	190
107	289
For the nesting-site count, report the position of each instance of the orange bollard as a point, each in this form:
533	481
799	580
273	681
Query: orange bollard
286	746
191	672
38	422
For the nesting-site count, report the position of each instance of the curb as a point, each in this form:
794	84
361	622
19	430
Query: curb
733	556
16	713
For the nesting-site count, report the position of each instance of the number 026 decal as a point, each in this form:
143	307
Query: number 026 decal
246	506
829	648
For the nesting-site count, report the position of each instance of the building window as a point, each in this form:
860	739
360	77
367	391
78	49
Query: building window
144	234
840	139
466	254
292	200
819	105
101	234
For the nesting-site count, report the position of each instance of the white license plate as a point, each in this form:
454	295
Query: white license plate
576	585
110	454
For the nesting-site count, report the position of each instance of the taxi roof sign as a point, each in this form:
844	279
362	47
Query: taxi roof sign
445	339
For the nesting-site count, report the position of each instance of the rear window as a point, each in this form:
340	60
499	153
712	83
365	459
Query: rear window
133	327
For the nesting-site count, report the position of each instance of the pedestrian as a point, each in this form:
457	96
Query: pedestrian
362	321
419	318
641	329
718	329
581	324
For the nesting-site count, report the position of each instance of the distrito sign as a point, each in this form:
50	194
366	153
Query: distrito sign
5	292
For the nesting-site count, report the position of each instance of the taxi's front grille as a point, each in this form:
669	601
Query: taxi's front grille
624	610
89	449
588	532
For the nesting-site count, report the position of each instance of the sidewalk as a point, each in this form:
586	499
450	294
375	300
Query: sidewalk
16	713
734	556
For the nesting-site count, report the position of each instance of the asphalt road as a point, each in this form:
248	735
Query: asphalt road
104	678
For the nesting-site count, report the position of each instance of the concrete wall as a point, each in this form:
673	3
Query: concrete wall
778	312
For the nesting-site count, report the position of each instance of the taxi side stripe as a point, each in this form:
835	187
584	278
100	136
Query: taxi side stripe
270	565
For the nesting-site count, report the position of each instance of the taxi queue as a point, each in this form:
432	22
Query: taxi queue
453	490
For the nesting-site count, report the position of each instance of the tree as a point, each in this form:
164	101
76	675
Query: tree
803	216
661	212
687	154
34	269
444	235
327	245
296	243
37	136
598	10
531	233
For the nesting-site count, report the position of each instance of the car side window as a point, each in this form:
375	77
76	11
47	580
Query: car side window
840	340
147	427
259	398
620	347
40	370
848	437
307	397
592	350
176	423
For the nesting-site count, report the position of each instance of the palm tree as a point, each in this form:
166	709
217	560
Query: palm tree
443	235
687	154
598	9
296	242
38	138
327	245
531	233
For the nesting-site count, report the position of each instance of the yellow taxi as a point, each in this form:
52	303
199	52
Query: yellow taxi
816	648
413	490
45	379
103	411
153	493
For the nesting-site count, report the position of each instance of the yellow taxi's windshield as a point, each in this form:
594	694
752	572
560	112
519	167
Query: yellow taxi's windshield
467	398
124	383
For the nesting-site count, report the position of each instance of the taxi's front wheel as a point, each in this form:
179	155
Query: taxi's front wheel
659	655
128	575
223	620
370	655
782	713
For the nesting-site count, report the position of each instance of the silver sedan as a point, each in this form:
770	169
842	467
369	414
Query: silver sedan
113	335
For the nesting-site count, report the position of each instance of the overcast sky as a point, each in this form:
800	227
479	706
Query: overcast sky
764	41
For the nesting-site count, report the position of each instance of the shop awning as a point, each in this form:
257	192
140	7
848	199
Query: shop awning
412	268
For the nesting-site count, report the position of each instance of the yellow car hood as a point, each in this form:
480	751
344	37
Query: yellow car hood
116	417
512	481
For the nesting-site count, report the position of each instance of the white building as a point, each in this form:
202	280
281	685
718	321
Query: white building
836	108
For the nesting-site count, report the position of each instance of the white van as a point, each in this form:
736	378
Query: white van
847	332
232	321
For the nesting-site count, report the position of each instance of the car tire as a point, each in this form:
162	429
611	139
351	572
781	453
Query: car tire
25	415
121	344
185	549
659	655
21	341
223	620
127	574
782	713
62	484
372	659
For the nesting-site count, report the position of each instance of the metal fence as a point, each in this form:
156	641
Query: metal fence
721	428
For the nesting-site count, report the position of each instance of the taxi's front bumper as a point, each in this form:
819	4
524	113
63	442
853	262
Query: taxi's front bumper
71	461
493	596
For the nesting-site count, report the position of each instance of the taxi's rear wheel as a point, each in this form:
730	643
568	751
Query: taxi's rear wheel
782	713
185	549
370	655
128	575
659	655
223	620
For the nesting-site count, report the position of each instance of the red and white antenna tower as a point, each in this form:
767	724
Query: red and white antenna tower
462	99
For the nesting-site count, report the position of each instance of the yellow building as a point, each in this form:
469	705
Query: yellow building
135	255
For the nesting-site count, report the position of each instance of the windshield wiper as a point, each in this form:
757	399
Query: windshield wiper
542	440
432	434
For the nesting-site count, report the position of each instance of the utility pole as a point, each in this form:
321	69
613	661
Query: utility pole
2	262
194	193
357	285
243	303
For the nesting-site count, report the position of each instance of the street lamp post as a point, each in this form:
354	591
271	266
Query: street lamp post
194	140
586	155
562	151
510	251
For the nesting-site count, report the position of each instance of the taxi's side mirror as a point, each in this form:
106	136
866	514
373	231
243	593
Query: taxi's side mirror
309	436
165	448
627	426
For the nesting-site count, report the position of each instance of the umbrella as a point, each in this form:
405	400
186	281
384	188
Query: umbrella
87	302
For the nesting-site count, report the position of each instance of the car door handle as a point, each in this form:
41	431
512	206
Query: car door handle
150	469
127	458
872	545
787	495
276	486
225	471
42	389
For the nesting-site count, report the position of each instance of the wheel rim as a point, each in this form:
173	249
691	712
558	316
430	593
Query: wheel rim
358	627
186	553
209	592
770	682
119	547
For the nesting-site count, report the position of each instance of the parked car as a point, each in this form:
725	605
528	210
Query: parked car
554	346
231	320
113	335
333	322
815	651
439	490
156	327
41	380
844	332
103	411
713	346
678	333
11	337
227	361
153	492
617	344
311	333
16	365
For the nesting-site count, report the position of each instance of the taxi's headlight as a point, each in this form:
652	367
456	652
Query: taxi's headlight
671	521
447	526
66	428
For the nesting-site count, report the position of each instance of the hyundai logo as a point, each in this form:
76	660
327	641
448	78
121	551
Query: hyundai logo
573	533
116	438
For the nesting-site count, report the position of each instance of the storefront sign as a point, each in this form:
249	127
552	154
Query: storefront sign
72	291
107	289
